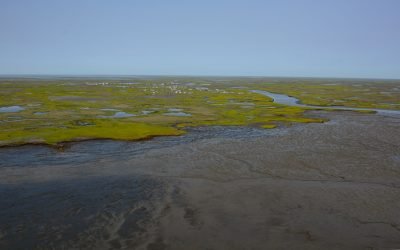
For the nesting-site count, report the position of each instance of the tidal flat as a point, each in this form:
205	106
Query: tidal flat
241	172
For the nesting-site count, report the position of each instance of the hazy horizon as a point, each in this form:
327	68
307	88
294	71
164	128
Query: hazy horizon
307	39
100	76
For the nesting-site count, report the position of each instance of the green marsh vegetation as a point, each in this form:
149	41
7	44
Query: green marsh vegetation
357	94
61	110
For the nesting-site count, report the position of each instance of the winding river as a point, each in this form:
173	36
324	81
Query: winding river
292	101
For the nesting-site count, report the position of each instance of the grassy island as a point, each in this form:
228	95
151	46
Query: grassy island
59	110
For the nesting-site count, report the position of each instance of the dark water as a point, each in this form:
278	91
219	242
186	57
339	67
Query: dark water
109	212
86	212
81	152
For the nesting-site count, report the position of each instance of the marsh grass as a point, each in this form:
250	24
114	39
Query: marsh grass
357	95
74	110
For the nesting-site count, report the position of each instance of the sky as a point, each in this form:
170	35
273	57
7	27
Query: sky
312	38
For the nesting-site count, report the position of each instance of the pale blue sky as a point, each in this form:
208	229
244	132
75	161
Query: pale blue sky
338	38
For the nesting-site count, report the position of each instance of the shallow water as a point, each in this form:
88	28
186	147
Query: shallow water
118	114
292	101
147	112
102	208
109	109
103	194
174	110
86	151
109	212
11	109
177	114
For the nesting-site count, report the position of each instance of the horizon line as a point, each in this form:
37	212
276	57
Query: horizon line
184	75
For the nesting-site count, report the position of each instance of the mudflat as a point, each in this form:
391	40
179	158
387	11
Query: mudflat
332	185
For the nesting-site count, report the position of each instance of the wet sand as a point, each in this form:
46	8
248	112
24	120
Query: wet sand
310	186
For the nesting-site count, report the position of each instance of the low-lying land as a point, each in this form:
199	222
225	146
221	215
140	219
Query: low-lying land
364	94
334	185
50	111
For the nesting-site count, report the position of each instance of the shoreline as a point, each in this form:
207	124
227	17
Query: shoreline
308	186
65	144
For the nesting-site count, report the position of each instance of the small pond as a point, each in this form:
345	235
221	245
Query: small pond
11	109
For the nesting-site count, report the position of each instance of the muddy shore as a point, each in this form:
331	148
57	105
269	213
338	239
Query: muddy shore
334	185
